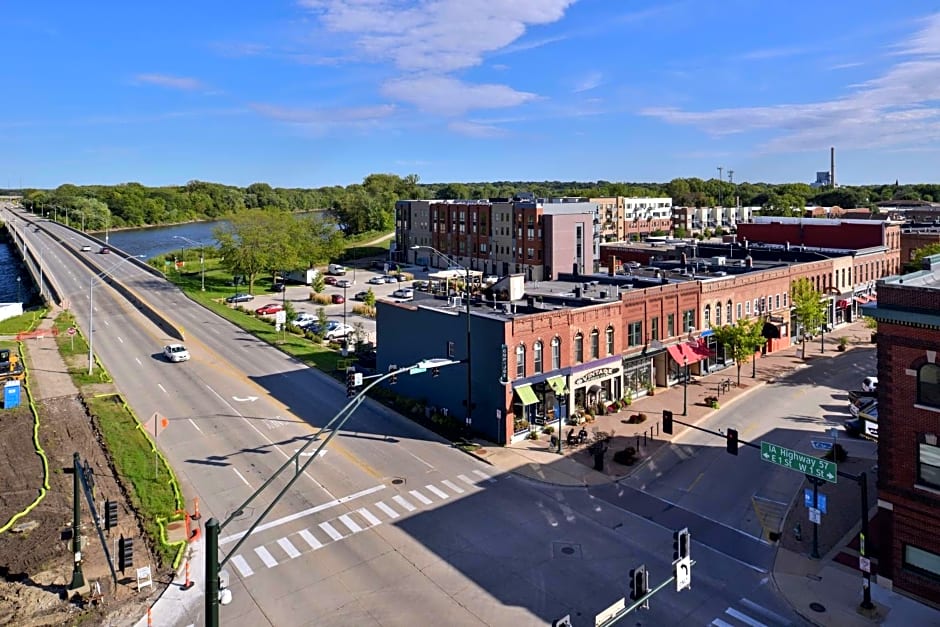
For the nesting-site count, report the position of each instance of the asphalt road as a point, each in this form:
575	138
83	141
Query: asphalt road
392	526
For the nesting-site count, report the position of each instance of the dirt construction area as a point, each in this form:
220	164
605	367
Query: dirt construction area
36	558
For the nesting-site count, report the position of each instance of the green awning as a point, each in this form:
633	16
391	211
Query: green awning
557	384
526	395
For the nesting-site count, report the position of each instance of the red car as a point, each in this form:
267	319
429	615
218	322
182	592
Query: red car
338	299
329	280
269	309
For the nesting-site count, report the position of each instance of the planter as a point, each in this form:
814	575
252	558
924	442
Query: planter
841	348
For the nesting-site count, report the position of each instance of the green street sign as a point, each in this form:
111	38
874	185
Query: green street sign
800	462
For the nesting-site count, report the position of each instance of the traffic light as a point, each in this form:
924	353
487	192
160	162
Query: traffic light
125	552
639	583
681	544
110	514
435	372
350	384
667	421
732	441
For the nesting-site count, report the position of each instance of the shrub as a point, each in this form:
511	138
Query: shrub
320	299
626	457
548	430
364	310
533	435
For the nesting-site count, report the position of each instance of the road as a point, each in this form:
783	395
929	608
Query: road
392	526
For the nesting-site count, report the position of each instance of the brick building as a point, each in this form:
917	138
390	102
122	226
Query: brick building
908	315
913	238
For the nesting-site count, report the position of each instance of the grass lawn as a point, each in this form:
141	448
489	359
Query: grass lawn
27	321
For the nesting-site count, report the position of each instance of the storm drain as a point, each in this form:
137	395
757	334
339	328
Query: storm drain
817	607
566	549
398	481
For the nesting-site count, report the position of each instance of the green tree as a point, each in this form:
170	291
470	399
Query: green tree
917	258
369	298
322	321
808	307
319	283
254	241
754	340
738	340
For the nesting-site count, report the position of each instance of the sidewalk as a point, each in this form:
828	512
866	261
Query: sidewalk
801	580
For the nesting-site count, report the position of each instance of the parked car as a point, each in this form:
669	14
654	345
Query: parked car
175	353
344	283
870	384
404	293
86	248
104	250
337	299
329	280
338	331
337	269
304	319
269	309
377	280
278	287
361	295
239	298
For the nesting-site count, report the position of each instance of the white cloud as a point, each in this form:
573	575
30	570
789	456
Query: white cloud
448	96
588	82
171	82
900	107
325	116
475	129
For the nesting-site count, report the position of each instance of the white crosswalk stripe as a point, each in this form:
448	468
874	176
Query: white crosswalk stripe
350	523
420	497
369	516
289	548
388	511
467	480
266	557
763	611
483	475
720	623
437	492
242	566
453	486
744	618
331	531
401	501
310	539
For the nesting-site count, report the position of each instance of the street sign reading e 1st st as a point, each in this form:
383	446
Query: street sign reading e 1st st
800	462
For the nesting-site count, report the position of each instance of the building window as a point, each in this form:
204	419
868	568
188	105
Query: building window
579	348
928	461
740	309
556	353
747	307
635	334
450	350
928	385
717	314
784	299
688	320
728	308
654	328
921	561
595	344
778	301
671	325
610	340
537	358
520	361
756	306
708	316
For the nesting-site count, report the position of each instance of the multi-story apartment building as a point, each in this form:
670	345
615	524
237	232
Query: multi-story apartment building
695	220
624	218
908	315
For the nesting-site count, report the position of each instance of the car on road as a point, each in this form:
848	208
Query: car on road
175	353
278	287
86	248
377	280
330	280
104	250
344	283
360	295
337	299
239	298
339	330
304	319
870	384
404	293
862	405
269	309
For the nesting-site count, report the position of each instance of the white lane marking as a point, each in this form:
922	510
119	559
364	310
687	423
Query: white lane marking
453	486
483	475
420	460
369	516
310	539
195	425
331	531
467	480
401	501
744	618
289	548
106	323
437	492
120	340
312	510
720	623
349	522
760	609
138	361
266	557
242	566
162	388
240	476
420	497
388	511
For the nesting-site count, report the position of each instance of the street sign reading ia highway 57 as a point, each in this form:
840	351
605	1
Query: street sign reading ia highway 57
800	462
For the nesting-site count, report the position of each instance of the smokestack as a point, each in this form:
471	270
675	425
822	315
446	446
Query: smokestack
832	166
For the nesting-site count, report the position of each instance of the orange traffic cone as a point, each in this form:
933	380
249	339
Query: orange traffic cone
196	515
189	582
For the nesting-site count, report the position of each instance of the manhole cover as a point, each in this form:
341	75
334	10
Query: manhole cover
397	481
817	607
567	550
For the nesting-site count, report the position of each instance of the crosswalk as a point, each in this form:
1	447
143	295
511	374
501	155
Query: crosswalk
747	612
320	535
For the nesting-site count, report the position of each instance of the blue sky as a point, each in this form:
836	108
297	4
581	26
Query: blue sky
310	93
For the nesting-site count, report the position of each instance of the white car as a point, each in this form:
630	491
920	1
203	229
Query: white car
377	280
176	352
304	319
405	293
870	384
338	331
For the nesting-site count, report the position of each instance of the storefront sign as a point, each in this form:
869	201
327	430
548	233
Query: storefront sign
504	363
599	373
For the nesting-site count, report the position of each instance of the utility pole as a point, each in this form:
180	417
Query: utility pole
719	184
78	578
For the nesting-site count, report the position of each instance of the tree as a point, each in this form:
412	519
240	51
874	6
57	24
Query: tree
319	283
369	298
754	340
917	258
322	321
738	339
808	307
255	241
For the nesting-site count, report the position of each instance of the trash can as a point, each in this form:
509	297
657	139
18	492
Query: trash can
11	394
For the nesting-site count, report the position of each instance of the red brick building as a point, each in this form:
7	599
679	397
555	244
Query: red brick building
914	238
908	315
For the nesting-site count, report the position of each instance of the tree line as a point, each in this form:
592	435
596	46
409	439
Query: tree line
370	205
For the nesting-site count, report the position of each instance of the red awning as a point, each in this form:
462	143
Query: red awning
697	351
861	299
842	304
676	353
872	297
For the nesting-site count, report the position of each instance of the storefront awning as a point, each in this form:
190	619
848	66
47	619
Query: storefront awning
842	304
770	331
526	395
687	353
861	300
698	350
557	384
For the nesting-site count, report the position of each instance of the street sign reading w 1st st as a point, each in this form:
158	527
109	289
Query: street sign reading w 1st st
800	462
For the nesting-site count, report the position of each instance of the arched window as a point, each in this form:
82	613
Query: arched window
728	310
717	314
595	344
610	340
556	353
708	316
579	348
520	361
928	385
537	357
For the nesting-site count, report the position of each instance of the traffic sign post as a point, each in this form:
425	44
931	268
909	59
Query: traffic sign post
800	462
71	331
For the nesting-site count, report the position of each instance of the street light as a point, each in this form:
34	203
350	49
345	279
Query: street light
91	309
202	258
685	386
452	262
18	297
